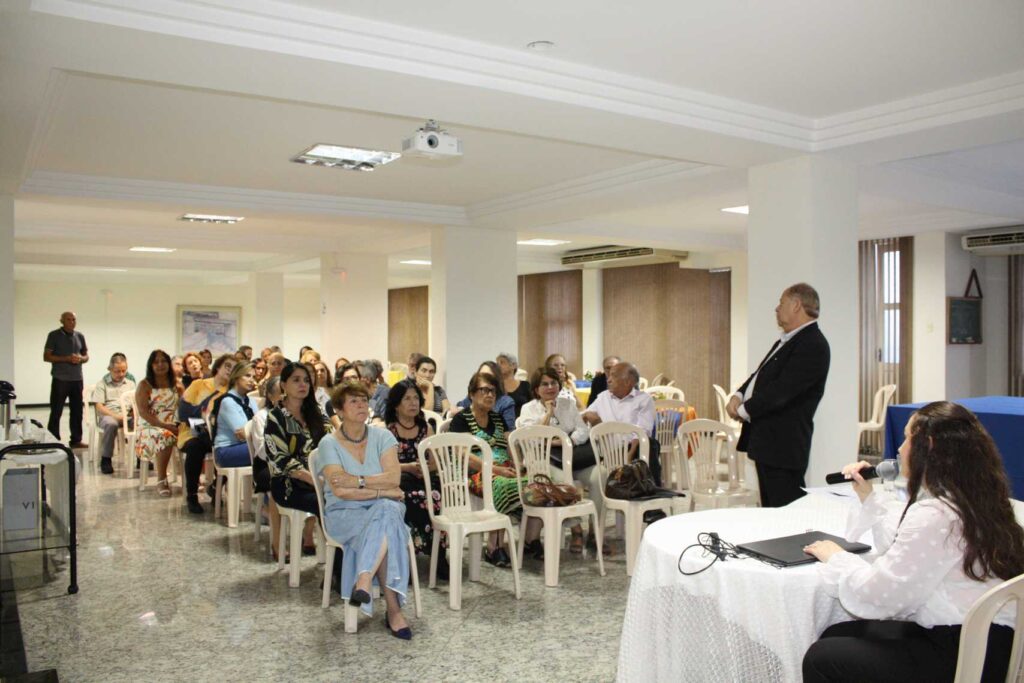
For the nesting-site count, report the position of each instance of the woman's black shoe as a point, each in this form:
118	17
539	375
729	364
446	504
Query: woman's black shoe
359	597
443	569
498	557
534	549
405	633
193	505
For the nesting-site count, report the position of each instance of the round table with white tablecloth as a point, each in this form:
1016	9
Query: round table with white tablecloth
739	620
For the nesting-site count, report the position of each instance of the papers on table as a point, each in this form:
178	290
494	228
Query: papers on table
833	491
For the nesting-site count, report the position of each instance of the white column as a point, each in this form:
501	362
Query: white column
354	306
266	328
7	288
929	342
803	228
593	319
472	301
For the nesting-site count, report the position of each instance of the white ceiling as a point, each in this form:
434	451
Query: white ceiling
117	117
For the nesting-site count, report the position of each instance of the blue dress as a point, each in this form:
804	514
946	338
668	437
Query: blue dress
363	525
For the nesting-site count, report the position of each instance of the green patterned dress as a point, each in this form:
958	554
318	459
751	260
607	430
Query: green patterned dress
506	493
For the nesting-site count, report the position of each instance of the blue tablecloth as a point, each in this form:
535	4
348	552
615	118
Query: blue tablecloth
1002	416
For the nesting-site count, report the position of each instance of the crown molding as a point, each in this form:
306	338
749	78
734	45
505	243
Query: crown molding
128	189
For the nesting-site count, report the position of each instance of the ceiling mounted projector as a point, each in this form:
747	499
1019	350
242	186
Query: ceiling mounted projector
432	143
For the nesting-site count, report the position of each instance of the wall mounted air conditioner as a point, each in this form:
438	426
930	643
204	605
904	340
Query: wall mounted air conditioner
614	255
1001	242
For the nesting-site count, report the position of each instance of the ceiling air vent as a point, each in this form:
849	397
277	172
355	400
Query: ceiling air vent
1002	242
618	255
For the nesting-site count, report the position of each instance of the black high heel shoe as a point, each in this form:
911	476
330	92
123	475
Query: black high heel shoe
405	633
359	597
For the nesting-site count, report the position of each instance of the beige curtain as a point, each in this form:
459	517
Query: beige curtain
551	319
886	323
408	308
1016	379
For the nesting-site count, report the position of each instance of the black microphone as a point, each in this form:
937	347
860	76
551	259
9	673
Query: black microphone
887	469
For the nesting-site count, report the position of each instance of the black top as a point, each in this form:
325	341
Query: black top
599	384
522	395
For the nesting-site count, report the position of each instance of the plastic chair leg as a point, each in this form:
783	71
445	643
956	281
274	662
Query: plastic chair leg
233	501
328	575
552	548
351	618
599	541
435	548
456	539
257	514
281	536
515	559
522	539
475	551
415	577
634	530
217	493
143	475
295	545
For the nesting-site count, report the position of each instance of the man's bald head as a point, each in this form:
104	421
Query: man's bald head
68	321
622	379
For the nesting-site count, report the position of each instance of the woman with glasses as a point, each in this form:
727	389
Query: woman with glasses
503	404
434	397
481	420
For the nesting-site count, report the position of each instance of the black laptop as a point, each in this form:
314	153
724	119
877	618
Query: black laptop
788	551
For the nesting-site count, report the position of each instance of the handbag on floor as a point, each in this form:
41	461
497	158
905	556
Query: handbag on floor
634	481
544	493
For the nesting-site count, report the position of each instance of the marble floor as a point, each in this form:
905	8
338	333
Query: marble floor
168	596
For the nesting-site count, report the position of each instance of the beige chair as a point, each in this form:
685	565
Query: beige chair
235	477
433	419
974	634
883	397
531	451
665	391
721	401
522	375
710	441
668	415
129	411
450	454
89	413
351	612
611	442
642	384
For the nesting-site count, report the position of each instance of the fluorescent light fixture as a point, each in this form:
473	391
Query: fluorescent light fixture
541	242
416	262
210	218
113	270
346	158
737	209
154	250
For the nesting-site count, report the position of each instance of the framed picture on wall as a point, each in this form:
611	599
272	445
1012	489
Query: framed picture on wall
963	319
209	327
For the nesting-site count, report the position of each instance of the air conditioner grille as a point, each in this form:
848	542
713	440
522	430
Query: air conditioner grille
592	255
996	240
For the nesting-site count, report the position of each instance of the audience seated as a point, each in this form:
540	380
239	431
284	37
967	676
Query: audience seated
179	370
338	365
623	402
157	400
324	382
557	363
230	413
310	357
481	420
106	398
363	506
600	382
411	363
193	365
207	357
550	408
302	352
275	364
292	432
260	464
518	390
245	351
259	367
195	441
403	417
434	397
503	405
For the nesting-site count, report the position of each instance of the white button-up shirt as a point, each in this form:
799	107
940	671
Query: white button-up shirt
566	418
635	408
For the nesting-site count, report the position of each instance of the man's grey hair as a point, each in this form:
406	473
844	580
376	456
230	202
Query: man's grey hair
366	369
510	357
634	374
115	358
807	296
608	358
271	385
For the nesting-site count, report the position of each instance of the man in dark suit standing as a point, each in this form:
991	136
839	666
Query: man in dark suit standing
777	403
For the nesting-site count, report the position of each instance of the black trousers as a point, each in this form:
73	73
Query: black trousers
303	495
655	460
879	651
196	450
60	391
778	486
582	456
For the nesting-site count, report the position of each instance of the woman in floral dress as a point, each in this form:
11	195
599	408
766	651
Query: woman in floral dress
156	431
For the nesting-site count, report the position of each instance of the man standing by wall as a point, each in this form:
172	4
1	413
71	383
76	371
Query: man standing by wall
66	350
107	399
777	403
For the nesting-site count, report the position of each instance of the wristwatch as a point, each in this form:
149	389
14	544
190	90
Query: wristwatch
362	482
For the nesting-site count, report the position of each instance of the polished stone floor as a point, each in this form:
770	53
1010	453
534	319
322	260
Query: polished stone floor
168	596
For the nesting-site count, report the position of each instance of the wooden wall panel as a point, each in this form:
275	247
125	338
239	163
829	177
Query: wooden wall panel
671	320
551	319
408	330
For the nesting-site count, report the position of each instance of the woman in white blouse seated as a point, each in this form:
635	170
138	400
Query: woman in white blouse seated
551	408
954	540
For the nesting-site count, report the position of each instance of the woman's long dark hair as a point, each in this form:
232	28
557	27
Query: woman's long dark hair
151	375
395	396
310	410
955	459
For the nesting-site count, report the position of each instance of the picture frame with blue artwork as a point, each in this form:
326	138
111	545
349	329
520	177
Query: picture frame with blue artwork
217	328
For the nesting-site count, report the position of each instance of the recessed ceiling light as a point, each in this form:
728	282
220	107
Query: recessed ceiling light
416	262
113	270
737	209
345	158
154	250
539	242
540	45
210	218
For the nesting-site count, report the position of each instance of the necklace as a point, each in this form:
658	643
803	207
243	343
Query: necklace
405	426
366	432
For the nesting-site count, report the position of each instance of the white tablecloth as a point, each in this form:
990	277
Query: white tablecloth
740	620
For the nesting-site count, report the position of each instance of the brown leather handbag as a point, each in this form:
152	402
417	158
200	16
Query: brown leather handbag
544	493
634	481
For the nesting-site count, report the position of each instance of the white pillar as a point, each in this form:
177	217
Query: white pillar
354	306
472	301
266	328
7	288
929	342
803	228
593	319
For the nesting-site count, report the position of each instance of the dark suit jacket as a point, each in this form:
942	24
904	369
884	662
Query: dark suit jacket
597	385
788	388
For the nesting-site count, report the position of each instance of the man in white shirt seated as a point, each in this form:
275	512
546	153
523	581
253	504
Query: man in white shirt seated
623	402
106	397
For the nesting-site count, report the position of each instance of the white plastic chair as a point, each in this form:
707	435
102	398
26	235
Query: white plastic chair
89	411
721	401
974	633
665	391
658	380
129	411
642	384
668	415
522	375
450	454
531	450
351	612
257	498
235	477
883	397
611	442
433	419
292	521
444	426
706	439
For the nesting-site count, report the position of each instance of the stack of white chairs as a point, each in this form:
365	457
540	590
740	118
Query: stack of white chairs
129	422
876	423
668	415
531	450
665	391
710	441
450	453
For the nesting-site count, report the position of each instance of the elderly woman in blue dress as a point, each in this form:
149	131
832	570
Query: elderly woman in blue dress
364	508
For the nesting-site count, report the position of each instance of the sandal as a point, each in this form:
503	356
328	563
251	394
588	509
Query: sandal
576	544
163	488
